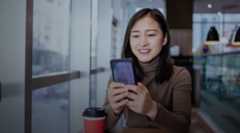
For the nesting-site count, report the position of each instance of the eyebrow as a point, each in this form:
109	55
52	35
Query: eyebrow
146	30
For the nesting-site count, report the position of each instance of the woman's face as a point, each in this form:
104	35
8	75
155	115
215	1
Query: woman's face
146	39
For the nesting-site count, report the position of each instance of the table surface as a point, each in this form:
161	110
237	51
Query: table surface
141	130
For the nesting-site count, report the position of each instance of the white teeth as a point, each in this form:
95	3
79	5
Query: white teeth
144	51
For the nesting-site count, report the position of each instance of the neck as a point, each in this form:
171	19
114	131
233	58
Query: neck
150	66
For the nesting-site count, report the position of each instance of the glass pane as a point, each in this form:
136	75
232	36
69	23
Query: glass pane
50	109
50	36
12	65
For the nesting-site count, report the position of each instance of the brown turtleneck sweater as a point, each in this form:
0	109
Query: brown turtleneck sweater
173	98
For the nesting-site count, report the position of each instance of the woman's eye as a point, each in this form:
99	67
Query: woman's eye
135	36
151	35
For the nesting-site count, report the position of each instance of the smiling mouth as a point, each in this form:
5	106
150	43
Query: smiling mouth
144	51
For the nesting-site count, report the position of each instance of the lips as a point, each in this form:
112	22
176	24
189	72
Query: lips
144	51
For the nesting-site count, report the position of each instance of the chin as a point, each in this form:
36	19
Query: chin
144	60
147	59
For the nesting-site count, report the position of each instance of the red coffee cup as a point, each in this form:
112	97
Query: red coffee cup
94	120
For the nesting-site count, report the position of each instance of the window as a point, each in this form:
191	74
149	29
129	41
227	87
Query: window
48	66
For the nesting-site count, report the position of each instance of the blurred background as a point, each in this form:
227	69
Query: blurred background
54	59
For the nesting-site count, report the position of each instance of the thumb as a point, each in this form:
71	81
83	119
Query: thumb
141	85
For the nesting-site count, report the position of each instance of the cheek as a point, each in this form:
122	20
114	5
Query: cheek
157	47
156	43
133	44
158	50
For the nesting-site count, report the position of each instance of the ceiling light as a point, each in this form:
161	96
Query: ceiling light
212	36
236	38
209	6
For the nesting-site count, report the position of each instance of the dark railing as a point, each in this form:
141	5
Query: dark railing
54	78
97	70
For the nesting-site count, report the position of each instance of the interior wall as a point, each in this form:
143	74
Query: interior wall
12	66
80	53
119	8
109	40
179	17
183	39
105	16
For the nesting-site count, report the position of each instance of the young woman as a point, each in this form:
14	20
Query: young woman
162	96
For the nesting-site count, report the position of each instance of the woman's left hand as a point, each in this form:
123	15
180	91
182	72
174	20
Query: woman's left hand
141	100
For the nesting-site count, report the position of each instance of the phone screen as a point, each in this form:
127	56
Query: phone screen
122	71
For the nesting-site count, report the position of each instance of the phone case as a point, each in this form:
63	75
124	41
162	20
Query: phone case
123	71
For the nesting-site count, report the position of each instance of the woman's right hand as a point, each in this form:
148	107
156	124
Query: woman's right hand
117	96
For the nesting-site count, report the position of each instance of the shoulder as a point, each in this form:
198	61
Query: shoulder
180	72
180	76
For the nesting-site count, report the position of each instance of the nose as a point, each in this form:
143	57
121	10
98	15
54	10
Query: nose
144	40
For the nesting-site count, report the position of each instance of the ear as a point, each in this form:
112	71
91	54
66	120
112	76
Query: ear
165	40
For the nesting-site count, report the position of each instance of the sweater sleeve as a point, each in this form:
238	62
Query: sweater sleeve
111	118
179	118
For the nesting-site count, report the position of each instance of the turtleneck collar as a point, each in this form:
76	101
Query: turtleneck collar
149	70
151	66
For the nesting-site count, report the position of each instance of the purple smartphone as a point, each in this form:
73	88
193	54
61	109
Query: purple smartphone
123	71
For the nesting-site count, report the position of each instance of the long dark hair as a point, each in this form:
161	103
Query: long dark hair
165	64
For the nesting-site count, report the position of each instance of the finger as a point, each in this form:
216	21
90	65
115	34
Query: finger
119	91
115	85
132	96
140	84
122	103
142	87
120	97
131	105
132	88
